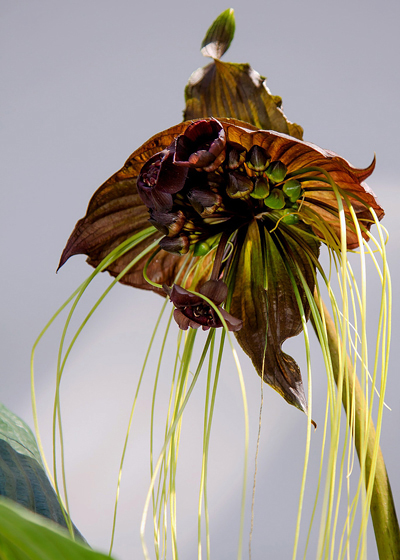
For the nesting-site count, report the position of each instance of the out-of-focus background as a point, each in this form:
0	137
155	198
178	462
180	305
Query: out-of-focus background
86	82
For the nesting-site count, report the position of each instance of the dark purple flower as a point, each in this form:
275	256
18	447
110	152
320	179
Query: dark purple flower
193	311
159	179
202	146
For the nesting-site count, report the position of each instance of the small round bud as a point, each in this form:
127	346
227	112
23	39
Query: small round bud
201	248
288	217
276	171
275	200
257	159
261	188
292	189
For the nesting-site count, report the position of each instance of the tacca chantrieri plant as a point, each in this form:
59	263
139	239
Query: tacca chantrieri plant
224	214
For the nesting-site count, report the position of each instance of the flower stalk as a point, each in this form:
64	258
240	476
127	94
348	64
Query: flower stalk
382	508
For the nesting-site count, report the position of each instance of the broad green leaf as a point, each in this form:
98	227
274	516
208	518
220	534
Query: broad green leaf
264	298
22	476
16	433
220	34
26	536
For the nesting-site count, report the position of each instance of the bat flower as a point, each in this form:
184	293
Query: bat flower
193	311
236	211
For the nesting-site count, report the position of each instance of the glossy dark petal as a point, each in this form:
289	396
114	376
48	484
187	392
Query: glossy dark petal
182	298
159	178
216	290
201	144
233	323
184	322
155	199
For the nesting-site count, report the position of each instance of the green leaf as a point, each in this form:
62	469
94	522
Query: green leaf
225	89
18	434
264	298
220	35
22	476
26	536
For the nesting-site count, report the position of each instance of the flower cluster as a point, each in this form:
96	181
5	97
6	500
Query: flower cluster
242	212
194	311
202	185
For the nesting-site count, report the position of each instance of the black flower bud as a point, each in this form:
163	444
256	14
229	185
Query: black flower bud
205	202
175	245
257	159
239	185
235	157
168	223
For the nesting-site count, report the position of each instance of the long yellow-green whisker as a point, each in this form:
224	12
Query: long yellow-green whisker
131	420
203	482
61	362
187	352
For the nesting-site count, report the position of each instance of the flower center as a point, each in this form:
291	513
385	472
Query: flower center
223	188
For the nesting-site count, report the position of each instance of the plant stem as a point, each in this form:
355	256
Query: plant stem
382	509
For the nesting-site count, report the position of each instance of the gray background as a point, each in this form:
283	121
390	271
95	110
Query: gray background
84	83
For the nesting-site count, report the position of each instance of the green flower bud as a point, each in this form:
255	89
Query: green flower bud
275	200
201	248
292	189
276	171
261	188
257	159
290	219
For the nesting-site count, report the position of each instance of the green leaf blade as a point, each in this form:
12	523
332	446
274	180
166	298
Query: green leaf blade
25	535
22	475
18	435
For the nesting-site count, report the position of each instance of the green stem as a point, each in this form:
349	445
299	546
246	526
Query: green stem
383	513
